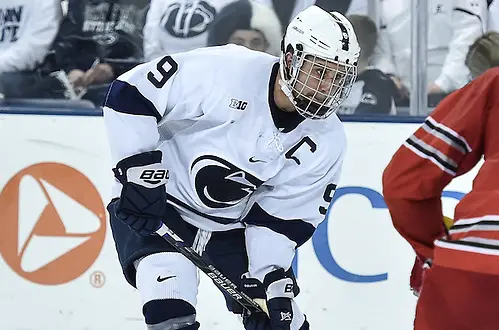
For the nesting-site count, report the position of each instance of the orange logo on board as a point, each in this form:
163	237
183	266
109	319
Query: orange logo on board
53	223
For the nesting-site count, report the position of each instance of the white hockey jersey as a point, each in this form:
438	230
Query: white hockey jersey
235	159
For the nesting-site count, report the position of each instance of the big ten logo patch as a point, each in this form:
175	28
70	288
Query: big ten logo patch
53	223
238	104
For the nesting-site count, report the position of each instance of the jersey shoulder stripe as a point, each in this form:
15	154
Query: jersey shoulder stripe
125	98
446	134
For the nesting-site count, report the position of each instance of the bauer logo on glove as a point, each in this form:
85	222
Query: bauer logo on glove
149	176
142	201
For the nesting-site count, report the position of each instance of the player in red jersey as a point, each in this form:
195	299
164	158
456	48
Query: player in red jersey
460	288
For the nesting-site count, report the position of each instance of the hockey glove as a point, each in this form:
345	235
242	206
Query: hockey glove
275	295
143	198
421	265
417	274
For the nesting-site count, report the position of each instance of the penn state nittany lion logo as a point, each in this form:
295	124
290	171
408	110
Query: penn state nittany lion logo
188	20
220	184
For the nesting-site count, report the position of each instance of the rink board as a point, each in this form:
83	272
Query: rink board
59	269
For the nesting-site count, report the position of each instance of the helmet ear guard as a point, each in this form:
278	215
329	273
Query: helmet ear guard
287	68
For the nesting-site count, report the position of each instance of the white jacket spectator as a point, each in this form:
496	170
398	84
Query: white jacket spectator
174	26
494	16
28	28
453	25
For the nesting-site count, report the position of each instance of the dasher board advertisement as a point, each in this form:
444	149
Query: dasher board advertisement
59	268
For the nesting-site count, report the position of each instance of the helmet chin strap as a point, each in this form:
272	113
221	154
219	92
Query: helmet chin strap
283	81
285	87
286	90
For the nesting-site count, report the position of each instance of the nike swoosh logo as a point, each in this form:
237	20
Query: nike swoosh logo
253	160
161	279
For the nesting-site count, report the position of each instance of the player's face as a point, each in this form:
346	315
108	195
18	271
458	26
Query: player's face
319	79
251	39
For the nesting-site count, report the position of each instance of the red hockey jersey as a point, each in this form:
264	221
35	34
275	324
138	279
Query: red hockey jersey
463	128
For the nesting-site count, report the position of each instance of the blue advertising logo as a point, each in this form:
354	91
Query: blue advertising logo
320	240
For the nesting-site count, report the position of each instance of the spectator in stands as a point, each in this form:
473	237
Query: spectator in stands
483	54
493	22
99	40
27	30
248	24
287	9
174	26
373	92
453	25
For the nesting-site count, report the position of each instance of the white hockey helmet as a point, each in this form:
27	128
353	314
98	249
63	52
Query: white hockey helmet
318	64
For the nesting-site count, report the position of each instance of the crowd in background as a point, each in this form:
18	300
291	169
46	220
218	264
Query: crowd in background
71	50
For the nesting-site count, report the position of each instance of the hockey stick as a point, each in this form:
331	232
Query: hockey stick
222	282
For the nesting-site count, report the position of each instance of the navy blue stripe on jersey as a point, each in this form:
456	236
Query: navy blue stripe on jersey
296	230
125	98
175	201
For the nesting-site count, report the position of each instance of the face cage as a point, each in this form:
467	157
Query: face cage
318	90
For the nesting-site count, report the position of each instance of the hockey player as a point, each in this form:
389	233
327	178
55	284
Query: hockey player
239	153
460	283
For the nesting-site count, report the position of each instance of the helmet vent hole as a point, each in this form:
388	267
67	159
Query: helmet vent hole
319	43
